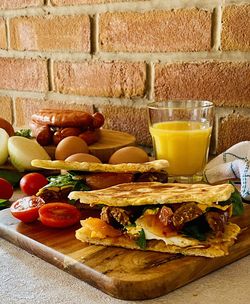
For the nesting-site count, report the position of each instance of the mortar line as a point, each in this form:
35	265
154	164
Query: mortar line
134	101
131	57
7	27
217	27
13	110
139	6
50	67
150	80
94	33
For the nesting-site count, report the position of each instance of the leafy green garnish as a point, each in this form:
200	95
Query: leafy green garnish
71	201
236	201
12	177
197	228
80	186
4	204
24	133
141	241
60	181
66	180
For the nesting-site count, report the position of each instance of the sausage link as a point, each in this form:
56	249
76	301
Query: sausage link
70	132
63	133
57	137
42	133
90	137
184	214
63	118
98	120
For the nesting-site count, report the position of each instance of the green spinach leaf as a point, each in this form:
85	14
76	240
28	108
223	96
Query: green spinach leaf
197	228
236	201
4	204
141	241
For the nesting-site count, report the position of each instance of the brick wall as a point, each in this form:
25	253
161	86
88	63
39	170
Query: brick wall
117	56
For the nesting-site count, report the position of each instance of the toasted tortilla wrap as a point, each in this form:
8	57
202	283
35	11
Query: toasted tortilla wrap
91	176
136	194
209	249
174	218
153	166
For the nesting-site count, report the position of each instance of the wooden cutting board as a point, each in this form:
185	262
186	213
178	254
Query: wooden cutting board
121	273
109	142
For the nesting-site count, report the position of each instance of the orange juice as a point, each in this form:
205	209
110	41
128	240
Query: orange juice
183	143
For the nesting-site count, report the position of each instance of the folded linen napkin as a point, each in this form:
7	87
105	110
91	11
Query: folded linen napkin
234	163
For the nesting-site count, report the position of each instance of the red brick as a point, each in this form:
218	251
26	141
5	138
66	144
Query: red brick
25	107
156	31
224	83
77	2
67	33
23	74
132	120
108	79
3	41
236	28
5	4
233	129
6	108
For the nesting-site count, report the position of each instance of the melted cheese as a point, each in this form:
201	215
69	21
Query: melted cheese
177	240
204	207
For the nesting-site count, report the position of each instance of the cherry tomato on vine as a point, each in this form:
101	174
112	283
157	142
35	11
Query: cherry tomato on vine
32	182
6	189
59	215
26	208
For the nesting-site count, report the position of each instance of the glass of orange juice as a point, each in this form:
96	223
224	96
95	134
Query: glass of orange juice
181	132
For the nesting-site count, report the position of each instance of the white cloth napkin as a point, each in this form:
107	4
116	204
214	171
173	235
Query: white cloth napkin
234	163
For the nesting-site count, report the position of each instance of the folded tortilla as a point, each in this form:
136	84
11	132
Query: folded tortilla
212	248
146	193
152	166
151	197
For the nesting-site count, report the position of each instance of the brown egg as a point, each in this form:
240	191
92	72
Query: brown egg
129	155
69	146
83	157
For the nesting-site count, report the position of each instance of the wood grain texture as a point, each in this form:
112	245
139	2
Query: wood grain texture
121	273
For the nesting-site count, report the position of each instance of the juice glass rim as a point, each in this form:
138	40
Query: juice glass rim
180	104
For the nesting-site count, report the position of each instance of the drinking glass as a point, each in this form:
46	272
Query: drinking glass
181	132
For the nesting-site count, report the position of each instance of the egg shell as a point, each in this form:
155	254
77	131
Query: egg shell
69	146
129	155
83	157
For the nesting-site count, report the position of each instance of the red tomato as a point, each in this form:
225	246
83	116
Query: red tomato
32	182
26	208
59	215
6	189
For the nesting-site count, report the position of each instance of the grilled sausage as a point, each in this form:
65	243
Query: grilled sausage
42	133
184	214
116	217
98	120
90	137
63	118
